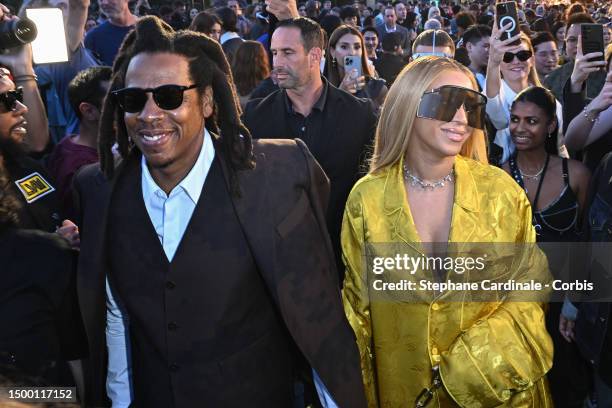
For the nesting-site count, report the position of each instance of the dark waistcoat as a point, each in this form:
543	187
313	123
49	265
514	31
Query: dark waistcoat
203	330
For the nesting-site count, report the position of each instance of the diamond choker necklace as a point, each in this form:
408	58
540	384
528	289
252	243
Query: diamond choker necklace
415	180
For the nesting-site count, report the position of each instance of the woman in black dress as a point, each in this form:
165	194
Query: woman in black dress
557	190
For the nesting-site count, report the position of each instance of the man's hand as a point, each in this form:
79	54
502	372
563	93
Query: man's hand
18	60
70	232
283	9
583	67
566	328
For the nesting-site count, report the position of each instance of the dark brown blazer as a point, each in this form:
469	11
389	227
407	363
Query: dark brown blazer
281	210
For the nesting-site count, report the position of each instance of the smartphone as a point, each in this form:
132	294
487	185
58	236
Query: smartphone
352	62
592	40
506	14
50	44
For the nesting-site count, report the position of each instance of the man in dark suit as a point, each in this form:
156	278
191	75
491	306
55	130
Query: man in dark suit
390	26
337	127
214	247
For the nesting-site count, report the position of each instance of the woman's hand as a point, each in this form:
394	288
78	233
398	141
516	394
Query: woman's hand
351	82
499	47
583	67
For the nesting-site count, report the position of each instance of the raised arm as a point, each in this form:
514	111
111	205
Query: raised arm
588	127
75	26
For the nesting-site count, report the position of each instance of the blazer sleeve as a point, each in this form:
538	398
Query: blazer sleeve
318	190
509	351
355	292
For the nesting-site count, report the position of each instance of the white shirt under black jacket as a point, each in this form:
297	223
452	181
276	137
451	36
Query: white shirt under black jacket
170	215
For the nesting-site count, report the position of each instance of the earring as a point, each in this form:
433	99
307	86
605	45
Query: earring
550	135
334	62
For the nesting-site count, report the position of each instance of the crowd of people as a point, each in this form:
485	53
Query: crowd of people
188	204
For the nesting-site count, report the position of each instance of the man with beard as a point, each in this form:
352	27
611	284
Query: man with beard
337	127
105	39
23	131
214	245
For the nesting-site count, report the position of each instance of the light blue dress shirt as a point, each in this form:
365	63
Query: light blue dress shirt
169	215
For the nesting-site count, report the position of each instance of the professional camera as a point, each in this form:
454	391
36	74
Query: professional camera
14	33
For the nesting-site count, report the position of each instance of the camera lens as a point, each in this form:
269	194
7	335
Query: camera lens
14	33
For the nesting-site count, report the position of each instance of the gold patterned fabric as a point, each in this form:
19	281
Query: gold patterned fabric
490	354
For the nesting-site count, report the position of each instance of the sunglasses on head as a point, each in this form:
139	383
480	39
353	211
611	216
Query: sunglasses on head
167	97
9	99
523	56
443	103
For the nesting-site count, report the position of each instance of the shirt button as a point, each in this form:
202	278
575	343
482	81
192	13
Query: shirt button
174	367
435	306
170	285
172	326
303	128
434	350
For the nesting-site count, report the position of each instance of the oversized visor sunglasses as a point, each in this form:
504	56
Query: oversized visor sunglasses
167	97
523	56
443	103
9	99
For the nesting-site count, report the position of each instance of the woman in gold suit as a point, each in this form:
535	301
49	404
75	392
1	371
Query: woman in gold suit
429	182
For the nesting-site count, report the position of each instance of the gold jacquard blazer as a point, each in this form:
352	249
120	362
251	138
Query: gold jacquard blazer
490	354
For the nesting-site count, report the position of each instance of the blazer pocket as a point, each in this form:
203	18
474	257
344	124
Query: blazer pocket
295	216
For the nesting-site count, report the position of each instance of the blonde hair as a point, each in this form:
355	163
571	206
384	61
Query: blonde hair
400	108
533	77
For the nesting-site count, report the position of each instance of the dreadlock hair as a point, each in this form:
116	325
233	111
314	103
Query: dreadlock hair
207	67
9	204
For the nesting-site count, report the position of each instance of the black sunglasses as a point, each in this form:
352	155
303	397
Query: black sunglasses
167	97
10	98
523	56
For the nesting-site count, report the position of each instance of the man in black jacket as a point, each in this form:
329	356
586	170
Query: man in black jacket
337	127
391	61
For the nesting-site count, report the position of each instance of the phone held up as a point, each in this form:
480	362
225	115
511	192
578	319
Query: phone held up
592	40
352	62
507	15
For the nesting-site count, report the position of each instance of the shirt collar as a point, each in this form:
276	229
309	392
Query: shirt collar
391	29
193	183
228	35
319	104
